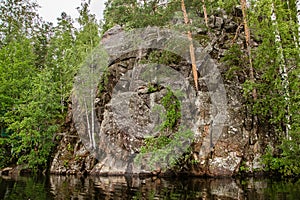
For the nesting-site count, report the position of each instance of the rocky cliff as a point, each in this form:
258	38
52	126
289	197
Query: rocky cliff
225	138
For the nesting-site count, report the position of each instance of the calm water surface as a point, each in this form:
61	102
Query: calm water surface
72	187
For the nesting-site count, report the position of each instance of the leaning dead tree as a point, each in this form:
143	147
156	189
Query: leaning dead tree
248	45
192	49
205	13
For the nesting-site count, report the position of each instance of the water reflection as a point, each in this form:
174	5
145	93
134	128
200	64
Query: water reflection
72	187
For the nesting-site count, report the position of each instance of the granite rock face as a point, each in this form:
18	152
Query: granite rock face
224	138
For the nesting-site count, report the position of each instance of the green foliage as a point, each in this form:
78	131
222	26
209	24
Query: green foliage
153	144
104	81
34	123
235	60
172	106
162	147
287	162
16	71
37	65
188	157
18	18
162	57
70	147
278	93
152	88
66	163
228	5
131	14
244	168
5	158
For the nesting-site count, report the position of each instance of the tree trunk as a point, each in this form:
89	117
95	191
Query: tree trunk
192	50
248	44
205	13
88	123
282	67
298	18
252	79
291	19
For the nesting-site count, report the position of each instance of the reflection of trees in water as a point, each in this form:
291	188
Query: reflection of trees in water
72	187
15	187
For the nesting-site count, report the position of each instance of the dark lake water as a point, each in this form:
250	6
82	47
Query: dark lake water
72	187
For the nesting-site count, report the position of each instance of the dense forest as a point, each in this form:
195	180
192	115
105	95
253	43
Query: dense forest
38	62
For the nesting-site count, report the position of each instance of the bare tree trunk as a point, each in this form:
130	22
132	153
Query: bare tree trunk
248	44
93	118
298	18
205	13
61	92
251	71
88	123
282	67
92	96
192	49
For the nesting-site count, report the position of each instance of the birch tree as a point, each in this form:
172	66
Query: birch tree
298	18
277	64
282	66
86	39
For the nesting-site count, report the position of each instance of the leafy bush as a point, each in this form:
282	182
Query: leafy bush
287	162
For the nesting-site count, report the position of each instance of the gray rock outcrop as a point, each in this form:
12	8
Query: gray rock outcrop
224	135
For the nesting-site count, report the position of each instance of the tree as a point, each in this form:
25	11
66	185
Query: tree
276	63
61	58
133	14
282	66
87	38
298	18
192	50
17	64
248	40
18	17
